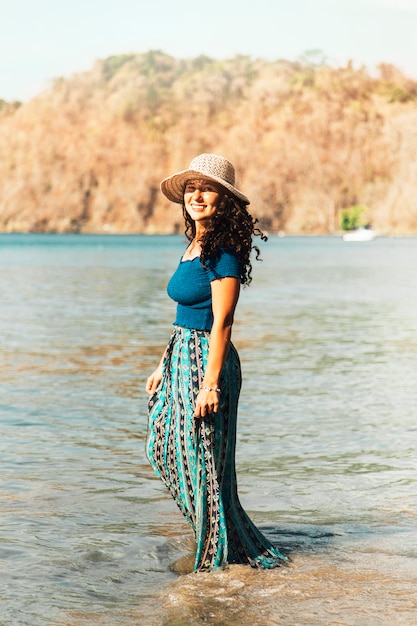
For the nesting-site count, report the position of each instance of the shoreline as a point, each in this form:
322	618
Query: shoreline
115	233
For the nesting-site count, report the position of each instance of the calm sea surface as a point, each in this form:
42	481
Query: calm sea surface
327	437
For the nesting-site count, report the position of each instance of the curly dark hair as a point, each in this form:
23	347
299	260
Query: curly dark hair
231	228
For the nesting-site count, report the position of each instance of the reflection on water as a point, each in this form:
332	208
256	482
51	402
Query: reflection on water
327	440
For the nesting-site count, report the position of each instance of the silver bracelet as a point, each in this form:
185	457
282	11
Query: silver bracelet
203	388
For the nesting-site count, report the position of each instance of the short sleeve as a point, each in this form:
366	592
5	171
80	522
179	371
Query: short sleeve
227	264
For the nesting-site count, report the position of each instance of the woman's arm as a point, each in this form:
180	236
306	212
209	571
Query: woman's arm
225	294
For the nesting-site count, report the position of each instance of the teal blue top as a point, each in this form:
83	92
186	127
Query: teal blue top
190	288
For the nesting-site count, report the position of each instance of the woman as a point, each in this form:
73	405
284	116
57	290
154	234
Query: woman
195	388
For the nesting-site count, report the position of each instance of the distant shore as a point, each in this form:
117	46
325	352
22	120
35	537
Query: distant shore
309	141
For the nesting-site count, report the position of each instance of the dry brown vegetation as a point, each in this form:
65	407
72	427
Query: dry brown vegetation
307	140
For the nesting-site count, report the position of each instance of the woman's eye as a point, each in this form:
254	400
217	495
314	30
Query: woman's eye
190	189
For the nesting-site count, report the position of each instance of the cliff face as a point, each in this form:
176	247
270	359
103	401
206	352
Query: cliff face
88	154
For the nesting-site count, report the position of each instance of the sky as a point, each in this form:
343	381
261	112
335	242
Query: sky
45	39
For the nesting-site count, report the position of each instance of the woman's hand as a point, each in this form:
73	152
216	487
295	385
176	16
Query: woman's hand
207	402
154	379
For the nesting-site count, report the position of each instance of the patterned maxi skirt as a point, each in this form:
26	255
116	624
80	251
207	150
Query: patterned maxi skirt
195	457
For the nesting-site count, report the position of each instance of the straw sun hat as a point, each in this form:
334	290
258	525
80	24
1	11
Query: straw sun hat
208	166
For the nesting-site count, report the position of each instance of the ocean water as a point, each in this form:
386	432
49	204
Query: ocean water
327	435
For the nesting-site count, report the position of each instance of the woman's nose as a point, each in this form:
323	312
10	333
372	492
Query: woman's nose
197	194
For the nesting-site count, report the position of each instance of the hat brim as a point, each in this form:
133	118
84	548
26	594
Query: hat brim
173	186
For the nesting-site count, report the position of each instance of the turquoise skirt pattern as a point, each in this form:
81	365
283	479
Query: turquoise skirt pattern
195	457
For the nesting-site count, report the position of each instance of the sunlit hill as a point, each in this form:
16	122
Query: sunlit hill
307	140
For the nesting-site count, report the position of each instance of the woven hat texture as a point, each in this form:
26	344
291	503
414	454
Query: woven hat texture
208	166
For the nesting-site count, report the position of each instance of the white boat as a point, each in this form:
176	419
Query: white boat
360	234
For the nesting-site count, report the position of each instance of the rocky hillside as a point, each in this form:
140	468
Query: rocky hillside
307	140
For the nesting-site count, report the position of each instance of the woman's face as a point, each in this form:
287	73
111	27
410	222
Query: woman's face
201	199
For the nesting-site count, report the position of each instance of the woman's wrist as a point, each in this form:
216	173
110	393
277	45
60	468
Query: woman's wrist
207	388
